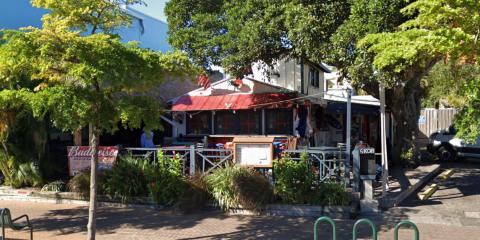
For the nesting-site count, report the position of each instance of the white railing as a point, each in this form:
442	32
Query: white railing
331	163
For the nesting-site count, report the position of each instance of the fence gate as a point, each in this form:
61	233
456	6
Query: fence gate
374	229
432	120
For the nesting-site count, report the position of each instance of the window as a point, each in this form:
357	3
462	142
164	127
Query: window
314	77
249	123
241	122
279	121
225	123
199	123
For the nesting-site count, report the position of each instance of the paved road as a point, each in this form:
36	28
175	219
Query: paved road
455	203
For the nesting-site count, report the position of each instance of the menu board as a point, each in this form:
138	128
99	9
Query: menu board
256	155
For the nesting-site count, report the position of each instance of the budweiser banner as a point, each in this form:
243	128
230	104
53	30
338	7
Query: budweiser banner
80	158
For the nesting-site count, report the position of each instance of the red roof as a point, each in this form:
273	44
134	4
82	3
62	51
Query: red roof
234	101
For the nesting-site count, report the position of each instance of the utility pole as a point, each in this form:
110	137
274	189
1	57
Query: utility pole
383	140
349	124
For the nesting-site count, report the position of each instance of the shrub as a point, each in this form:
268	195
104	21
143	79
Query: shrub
195	195
126	179
57	186
234	186
164	180
80	183
334	194
294	179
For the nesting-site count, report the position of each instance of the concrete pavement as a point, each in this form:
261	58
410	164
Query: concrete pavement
64	221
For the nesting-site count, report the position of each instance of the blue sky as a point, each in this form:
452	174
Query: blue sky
154	8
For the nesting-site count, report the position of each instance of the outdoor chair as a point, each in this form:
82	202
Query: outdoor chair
8	222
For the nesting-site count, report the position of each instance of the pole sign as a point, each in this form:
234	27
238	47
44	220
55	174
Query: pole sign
79	158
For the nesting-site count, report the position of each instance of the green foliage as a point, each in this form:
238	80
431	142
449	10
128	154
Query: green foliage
334	194
165	180
24	174
80	183
235	34
445	84
56	186
196	194
126	178
234	186
295	179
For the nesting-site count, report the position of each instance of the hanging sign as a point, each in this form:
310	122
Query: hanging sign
79	158
334	122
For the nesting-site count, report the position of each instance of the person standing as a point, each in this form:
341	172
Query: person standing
147	139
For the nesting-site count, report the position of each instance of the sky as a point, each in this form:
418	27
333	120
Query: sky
154	8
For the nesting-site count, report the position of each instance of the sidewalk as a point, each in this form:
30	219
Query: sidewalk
64	221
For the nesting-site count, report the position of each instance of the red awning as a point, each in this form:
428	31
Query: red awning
233	101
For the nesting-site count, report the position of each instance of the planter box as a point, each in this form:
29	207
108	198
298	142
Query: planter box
299	210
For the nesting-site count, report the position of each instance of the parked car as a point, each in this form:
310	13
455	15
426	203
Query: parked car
444	144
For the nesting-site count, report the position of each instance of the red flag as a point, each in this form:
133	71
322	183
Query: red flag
201	80
204	81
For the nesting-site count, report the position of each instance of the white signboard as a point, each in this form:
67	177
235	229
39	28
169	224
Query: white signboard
253	154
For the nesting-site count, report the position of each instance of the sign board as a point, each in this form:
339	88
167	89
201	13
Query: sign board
421	119
367	150
253	152
79	158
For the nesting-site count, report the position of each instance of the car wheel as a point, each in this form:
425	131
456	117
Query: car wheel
446	153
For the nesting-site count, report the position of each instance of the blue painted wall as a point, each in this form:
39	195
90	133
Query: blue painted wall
15	14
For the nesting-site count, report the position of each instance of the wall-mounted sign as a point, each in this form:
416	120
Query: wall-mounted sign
253	152
334	122
79	158
421	119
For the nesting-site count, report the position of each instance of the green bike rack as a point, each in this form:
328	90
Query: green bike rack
367	221
417	235
331	222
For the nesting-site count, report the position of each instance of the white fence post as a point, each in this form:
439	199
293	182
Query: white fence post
192	159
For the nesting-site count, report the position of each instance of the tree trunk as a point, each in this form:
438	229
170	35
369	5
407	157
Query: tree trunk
405	103
404	100
92	212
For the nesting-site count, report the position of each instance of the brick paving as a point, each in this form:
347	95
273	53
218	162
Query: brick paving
64	221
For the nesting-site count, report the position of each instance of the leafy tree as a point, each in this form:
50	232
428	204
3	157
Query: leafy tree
440	28
443	85
236	34
86	75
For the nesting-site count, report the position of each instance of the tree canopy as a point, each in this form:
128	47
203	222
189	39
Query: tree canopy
237	34
85	74
440	28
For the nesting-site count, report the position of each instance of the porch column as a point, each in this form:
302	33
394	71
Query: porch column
78	138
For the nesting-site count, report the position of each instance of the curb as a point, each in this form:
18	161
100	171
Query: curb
447	173
394	202
428	192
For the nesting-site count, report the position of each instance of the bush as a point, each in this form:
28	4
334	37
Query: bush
234	186
126	179
196	194
57	186
80	183
164	180
294	179
334	194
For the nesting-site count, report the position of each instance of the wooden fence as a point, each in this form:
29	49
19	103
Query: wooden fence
434	120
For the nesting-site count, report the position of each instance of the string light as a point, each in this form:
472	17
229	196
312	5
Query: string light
190	115
233	111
